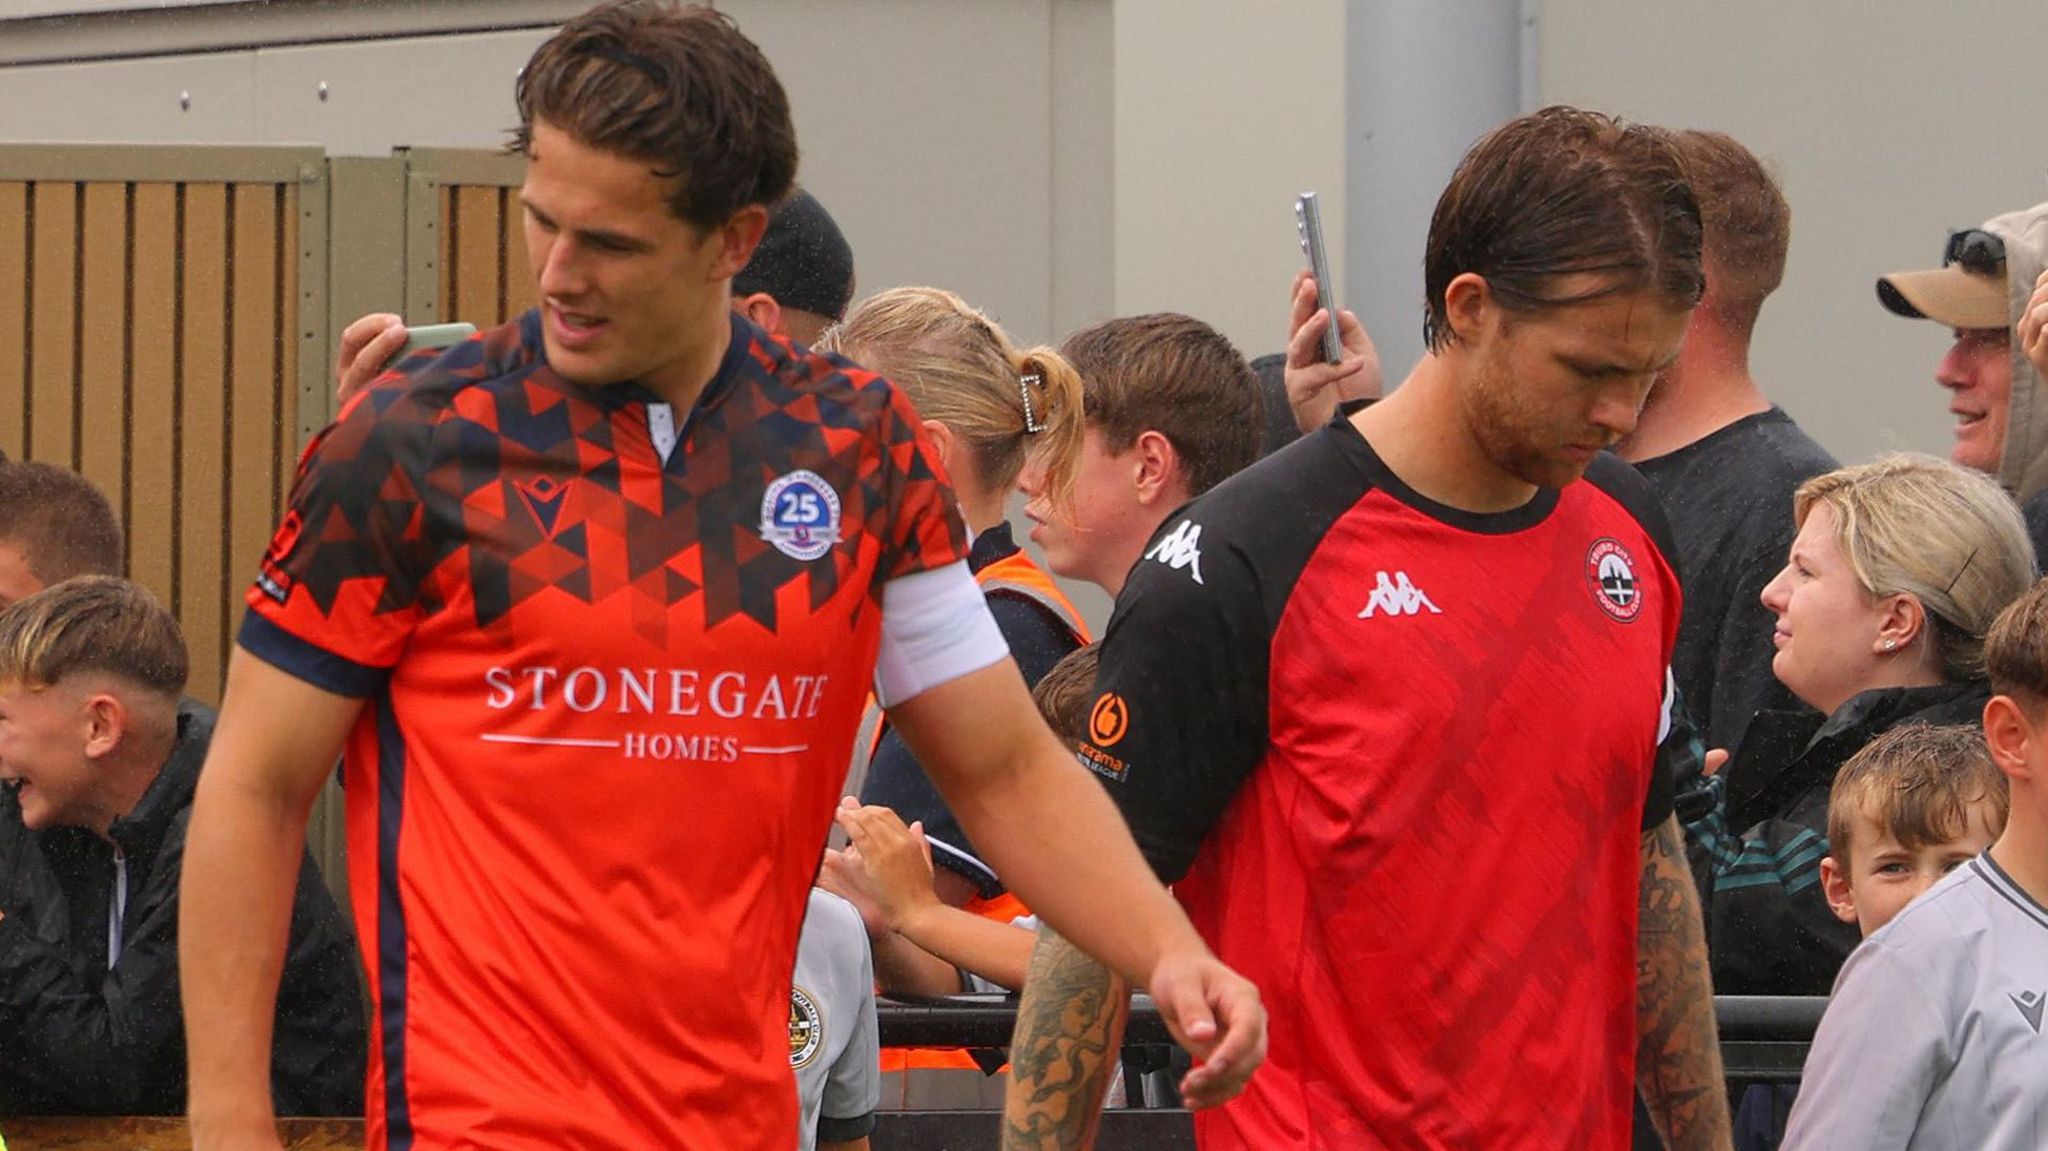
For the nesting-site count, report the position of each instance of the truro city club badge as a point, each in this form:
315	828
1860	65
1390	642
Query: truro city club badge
1611	573
800	515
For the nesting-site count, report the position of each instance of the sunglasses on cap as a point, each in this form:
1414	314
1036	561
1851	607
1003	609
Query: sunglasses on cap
1977	251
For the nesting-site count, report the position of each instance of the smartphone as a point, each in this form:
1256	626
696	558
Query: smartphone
434	336
1308	222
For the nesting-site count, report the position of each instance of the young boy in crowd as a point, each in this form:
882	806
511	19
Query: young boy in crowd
1933	1038
1914	805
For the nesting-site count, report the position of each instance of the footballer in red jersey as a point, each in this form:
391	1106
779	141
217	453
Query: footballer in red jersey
593	602
1392	708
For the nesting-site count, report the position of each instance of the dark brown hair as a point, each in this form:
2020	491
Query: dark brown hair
2016	649
1067	692
1746	223
1918	783
1561	192
1178	376
59	521
93	624
676	87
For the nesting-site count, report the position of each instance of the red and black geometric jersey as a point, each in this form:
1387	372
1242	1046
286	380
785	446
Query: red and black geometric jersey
1396	758
612	668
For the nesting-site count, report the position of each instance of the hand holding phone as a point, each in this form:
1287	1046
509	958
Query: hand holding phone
434	336
1308	223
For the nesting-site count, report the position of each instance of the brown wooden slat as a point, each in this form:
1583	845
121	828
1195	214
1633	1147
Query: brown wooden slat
53	340
13	314
288	365
252	403
444	265
520	293
202	585
478	250
103	316
152	476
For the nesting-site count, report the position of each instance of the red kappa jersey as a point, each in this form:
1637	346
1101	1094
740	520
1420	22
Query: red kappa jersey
612	660
1398	758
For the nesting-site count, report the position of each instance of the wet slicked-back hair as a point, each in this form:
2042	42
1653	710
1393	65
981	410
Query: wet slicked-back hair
1561	192
1918	783
678	88
62	525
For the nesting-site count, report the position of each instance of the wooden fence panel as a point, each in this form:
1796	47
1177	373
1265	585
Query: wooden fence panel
14	349
53	320
103	338
202	420
153	468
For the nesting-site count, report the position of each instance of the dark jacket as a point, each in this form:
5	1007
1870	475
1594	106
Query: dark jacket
80	1037
1769	928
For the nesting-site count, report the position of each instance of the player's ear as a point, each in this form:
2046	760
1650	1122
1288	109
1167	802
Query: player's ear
737	238
1469	307
761	308
1835	883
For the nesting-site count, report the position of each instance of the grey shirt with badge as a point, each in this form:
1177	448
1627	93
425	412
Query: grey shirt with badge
834	1046
1933	1037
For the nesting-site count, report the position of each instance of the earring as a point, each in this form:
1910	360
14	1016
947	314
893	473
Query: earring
1890	644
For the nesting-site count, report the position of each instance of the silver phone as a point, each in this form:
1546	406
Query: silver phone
434	336
1308	223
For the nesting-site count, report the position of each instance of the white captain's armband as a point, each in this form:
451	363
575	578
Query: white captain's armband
936	627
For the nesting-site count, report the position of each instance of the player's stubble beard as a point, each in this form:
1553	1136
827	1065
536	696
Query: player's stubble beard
1515	434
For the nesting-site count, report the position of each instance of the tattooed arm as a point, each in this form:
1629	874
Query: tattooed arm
1678	1056
1070	1029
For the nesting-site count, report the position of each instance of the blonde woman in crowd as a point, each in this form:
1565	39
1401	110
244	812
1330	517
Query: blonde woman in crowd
1899	568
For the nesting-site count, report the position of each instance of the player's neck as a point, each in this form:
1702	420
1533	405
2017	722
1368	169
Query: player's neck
683	379
2022	849
1708	389
1420	433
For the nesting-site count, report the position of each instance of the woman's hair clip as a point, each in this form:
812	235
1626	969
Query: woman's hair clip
1029	380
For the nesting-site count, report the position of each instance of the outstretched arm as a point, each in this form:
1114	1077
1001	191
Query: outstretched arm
1678	1055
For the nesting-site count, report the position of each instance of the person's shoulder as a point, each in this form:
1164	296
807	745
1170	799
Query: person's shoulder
1787	452
1942	927
424	386
841	389
829	917
1619	481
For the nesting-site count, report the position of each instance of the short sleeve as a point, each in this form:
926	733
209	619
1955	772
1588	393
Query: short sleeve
1179	719
923	527
339	589
853	1089
1877	1056
1679	755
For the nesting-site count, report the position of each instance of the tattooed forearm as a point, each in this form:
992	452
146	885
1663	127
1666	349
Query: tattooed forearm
1678	1057
1070	1027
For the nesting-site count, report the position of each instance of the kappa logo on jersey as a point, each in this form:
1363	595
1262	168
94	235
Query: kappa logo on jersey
806	1028
1109	721
1611	572
800	515
1181	549
1397	596
544	497
2029	1003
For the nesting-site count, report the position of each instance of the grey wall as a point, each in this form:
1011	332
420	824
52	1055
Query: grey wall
1889	123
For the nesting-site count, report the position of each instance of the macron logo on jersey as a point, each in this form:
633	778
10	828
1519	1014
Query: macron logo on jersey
1182	549
1397	596
2030	1004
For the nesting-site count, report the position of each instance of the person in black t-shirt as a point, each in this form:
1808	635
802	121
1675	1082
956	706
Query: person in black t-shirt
1723	460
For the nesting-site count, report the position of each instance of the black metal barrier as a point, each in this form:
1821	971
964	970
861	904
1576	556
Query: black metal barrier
1762	1037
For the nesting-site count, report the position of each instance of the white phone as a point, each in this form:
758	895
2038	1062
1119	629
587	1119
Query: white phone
434	336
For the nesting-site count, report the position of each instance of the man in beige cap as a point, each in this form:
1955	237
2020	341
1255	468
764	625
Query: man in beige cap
1981	291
